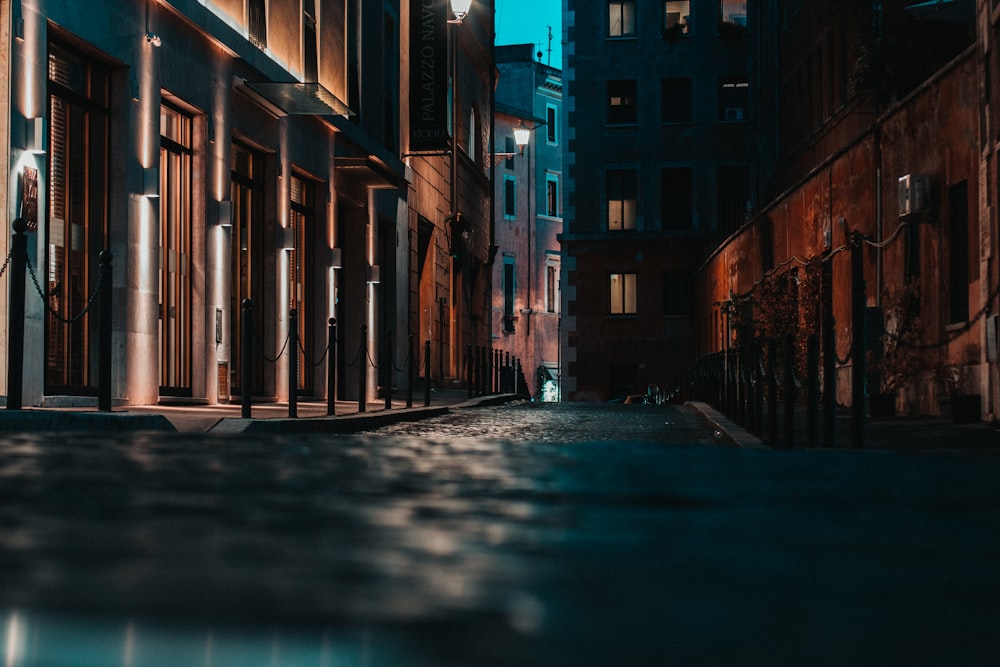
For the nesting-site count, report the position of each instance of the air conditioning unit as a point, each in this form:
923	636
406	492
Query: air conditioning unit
914	193
734	113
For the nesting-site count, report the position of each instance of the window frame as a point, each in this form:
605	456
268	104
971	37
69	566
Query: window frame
622	226
610	26
628	109
629	286
509	197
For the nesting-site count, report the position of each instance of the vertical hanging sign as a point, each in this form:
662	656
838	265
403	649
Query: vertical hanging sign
428	75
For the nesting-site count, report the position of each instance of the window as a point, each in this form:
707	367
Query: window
310	60
509	197
675	189
621	102
675	100
473	130
77	215
623	301
734	98
247	257
621	18
677	17
257	23
175	252
552	195
734	12
551	286
551	114
621	193
511	148
958	252
302	222
508	294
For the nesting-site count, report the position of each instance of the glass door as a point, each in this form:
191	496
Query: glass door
175	252
247	257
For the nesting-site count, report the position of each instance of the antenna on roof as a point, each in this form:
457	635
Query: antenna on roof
549	63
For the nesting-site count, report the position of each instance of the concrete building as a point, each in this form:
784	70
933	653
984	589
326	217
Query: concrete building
657	170
225	150
528	217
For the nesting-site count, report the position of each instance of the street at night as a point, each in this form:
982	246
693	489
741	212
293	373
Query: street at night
523	534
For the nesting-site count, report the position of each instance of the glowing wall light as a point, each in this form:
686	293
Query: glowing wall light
151	182
35	140
225	213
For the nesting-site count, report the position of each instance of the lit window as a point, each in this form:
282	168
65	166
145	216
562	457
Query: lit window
677	17
621	193
623	301
621	18
733	11
621	102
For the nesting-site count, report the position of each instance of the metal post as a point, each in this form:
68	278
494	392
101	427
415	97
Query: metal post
293	363
427	373
411	357
829	380
858	370
387	365
789	391
506	366
363	370
331	368
246	358
772	392
468	370
812	390
15	317
104	353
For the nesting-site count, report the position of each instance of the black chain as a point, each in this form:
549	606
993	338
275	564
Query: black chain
283	346
305	355
45	297
6	262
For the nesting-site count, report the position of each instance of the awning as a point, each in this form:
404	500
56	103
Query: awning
297	99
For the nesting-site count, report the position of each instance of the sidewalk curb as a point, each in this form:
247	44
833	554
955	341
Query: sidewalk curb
348	423
58	421
733	432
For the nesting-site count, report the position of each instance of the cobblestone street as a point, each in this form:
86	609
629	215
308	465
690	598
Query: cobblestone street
525	534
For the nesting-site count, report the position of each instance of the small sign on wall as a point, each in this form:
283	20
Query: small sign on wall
29	197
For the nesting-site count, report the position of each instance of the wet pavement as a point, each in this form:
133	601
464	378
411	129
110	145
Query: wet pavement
524	534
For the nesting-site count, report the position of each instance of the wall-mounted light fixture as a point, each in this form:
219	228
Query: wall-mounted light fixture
225	214
286	238
151	182
373	274
153	38
34	136
336	258
460	8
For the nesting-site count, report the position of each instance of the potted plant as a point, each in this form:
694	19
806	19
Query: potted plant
961	408
899	361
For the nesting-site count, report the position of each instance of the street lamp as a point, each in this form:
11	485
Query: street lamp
521	136
460	8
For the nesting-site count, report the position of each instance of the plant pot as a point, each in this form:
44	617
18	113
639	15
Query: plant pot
882	405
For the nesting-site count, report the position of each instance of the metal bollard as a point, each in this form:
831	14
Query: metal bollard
104	354
427	373
331	368
246	358
789	391
410	369
387	364
293	363
15	317
468	370
363	369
